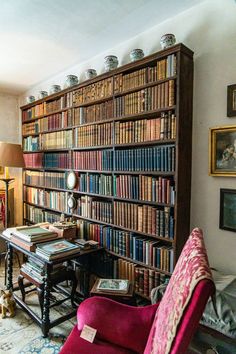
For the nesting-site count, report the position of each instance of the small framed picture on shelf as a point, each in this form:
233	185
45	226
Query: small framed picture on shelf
231	100
222	151
228	209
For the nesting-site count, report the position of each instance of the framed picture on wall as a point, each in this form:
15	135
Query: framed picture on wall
228	209
231	100
222	151
1	170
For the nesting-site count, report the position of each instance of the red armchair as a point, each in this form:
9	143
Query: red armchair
163	328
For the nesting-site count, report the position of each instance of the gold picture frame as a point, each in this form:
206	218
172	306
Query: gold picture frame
1	170
222	151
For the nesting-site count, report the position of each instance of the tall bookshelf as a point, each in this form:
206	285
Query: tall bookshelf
127	134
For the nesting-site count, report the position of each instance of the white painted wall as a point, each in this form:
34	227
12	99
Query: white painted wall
209	30
9	132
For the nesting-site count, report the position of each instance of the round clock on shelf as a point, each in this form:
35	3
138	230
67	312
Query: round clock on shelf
71	180
71	202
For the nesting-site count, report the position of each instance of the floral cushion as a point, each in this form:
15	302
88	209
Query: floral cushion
179	290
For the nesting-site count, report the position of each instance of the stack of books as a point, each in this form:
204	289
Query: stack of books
35	269
86	244
56	249
27	237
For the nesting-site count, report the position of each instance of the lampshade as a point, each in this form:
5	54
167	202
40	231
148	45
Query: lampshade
11	155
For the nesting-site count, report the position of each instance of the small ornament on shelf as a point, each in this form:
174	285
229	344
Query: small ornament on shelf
30	99
90	74
71	80
136	54
43	94
55	89
111	62
167	40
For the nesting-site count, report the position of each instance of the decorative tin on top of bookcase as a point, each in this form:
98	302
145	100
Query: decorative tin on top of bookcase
110	62
71	80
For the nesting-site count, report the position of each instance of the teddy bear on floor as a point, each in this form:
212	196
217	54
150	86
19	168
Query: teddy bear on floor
7	303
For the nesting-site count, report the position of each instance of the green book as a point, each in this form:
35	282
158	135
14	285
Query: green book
34	231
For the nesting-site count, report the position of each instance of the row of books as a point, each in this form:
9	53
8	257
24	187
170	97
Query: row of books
94	209
30	128
102	233
50	160
56	140
149	99
37	215
93	135
143	130
147	279
31	143
151	252
92	92
160	158
164	69
95	183
56	121
145	219
101	160
143	188
49	199
147	188
33	112
45	179
94	113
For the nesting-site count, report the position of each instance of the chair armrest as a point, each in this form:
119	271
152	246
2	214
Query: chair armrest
124	325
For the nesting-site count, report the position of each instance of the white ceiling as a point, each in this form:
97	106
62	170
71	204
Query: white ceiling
40	38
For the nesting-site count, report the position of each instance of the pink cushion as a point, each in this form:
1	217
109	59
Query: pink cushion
76	345
190	319
192	267
123	325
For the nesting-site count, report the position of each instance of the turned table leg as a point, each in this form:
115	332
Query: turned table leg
9	267
21	286
46	302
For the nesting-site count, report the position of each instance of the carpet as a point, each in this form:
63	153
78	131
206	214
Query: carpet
21	335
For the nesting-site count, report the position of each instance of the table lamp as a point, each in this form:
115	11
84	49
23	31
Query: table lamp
11	155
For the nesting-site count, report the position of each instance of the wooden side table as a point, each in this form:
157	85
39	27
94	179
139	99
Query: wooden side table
58	277
127	299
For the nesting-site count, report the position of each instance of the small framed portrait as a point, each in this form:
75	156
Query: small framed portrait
231	100
228	209
222	151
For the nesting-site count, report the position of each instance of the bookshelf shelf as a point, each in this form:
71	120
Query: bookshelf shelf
142	185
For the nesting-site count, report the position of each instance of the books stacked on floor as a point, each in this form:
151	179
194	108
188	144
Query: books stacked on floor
56	249
28	236
113	285
35	269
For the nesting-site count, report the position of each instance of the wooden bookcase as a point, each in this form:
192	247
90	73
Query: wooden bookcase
128	136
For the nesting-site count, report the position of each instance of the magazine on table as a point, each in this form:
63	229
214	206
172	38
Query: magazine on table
55	247
113	285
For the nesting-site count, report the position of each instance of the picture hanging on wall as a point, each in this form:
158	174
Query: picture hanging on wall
228	209
1	170
222	151
231	100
